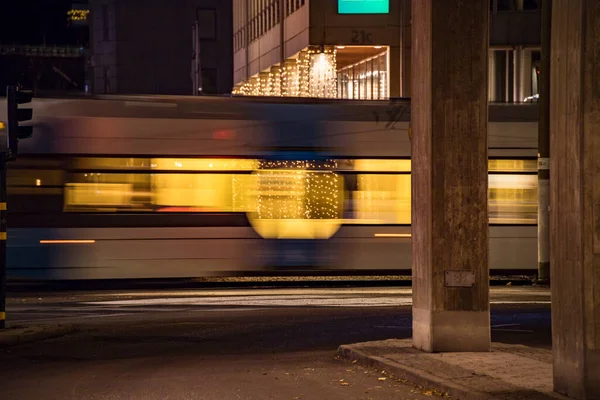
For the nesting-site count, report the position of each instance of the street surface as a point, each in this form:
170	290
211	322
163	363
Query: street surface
229	344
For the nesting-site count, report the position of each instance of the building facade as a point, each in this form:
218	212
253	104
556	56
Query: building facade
148	47
360	49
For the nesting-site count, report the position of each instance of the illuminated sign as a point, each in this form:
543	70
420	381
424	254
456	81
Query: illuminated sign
363	6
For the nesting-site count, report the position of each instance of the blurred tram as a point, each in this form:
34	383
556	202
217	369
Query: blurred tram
131	187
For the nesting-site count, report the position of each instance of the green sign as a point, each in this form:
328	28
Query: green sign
363	6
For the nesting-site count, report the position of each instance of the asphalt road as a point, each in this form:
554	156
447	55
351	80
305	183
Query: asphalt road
265	344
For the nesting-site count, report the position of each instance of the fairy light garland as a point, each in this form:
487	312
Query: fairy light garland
254	87
304	74
312	74
264	87
298	189
275	81
289	78
323	72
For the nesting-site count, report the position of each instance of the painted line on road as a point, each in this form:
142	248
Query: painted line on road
282	301
98	315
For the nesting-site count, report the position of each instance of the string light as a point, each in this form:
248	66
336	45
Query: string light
298	189
313	73
304	73
77	15
254	87
264	88
275	81
323	72
289	78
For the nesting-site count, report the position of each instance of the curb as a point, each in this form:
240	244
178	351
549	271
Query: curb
23	334
411	375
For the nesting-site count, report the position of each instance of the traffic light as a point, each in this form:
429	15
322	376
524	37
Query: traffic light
15	115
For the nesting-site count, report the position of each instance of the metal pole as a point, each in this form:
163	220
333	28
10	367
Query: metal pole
2	241
544	149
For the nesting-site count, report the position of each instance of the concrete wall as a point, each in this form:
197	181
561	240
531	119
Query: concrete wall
153	46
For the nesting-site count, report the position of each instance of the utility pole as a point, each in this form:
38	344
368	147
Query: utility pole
2	240
196	62
14	133
544	149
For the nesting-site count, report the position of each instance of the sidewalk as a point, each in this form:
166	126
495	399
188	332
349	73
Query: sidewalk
507	372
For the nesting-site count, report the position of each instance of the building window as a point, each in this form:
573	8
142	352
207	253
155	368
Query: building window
513	75
366	79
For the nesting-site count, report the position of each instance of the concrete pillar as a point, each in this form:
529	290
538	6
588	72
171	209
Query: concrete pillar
575	197
450	175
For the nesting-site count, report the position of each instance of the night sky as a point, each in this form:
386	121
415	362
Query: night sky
37	21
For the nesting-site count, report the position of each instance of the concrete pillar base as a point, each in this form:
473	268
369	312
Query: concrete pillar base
451	331
593	381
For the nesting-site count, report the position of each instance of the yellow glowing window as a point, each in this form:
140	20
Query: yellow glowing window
382	165
156	185
98	194
203	164
205	192
107	163
512	166
377	165
383	199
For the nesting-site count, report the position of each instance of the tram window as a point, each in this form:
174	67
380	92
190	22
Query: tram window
35	191
381	193
33	181
203	192
512	166
200	192
383	199
159	184
95	191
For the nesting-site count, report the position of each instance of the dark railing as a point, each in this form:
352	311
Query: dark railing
43	51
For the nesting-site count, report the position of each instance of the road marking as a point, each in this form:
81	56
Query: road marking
280	301
98	315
